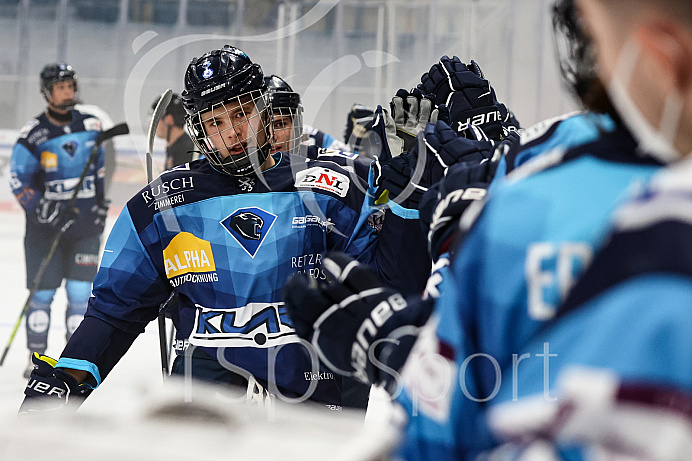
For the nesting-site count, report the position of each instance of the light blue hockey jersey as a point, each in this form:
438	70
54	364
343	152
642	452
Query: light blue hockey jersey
47	161
530	243
629	314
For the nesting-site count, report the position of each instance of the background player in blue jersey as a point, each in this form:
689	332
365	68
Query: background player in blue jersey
46	163
223	233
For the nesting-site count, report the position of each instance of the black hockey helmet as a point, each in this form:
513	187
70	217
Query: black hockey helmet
175	108
218	80
286	106
54	73
217	75
280	92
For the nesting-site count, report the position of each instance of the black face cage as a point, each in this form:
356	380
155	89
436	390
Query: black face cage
47	89
287	127
234	135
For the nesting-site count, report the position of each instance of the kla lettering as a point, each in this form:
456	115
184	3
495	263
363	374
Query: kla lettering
165	187
480	119
62	189
253	325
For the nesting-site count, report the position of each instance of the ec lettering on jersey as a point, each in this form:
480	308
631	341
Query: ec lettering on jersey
49	161
254	325
249	227
323	179
188	258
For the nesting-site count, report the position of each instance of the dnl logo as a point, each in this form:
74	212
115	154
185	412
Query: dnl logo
249	227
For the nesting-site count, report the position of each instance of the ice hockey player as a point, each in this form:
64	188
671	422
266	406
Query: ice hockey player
46	162
521	255
179	147
622	336
289	130
223	233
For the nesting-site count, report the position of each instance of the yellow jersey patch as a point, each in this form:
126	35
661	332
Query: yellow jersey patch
187	253
49	160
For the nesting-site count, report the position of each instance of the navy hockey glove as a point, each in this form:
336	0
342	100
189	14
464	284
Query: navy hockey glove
51	388
55	213
466	93
443	148
353	318
393	179
443	205
100	212
411	112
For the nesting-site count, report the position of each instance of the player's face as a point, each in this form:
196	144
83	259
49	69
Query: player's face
283	130
233	127
62	92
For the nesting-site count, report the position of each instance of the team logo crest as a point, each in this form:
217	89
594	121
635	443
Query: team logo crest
249	227
70	148
207	73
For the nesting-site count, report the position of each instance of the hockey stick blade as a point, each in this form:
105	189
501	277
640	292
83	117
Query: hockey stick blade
117	130
159	111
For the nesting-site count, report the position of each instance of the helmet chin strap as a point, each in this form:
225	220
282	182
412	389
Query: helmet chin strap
60	117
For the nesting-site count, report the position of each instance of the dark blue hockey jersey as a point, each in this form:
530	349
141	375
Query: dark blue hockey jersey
226	246
47	161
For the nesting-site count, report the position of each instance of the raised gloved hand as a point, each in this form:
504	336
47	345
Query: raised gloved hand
406	178
51	388
411	112
56	213
100	212
443	148
358	125
466	93
347	318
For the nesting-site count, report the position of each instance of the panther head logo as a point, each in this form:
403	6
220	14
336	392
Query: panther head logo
248	225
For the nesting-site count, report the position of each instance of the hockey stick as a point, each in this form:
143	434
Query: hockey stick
159	112
103	136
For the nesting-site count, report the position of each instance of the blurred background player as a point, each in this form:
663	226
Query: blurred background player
289	129
179	147
46	162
